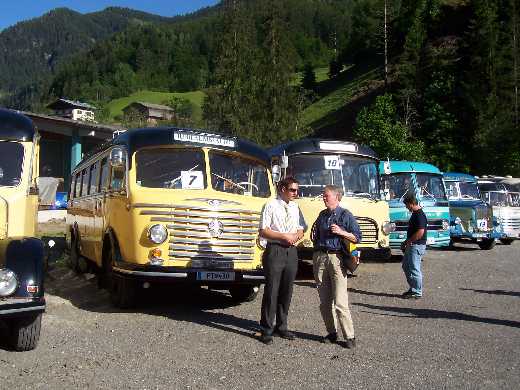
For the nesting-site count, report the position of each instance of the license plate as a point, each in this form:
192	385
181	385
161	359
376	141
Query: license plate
215	276
430	240
479	235
482	224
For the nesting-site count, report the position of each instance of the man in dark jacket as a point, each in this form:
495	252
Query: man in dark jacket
414	247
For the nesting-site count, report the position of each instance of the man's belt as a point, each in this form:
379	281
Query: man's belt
330	251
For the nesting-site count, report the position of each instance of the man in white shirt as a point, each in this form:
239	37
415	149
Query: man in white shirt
281	226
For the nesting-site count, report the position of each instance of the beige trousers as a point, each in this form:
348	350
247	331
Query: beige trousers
331	280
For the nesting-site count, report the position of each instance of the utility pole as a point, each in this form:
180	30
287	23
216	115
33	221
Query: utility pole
386	47
515	60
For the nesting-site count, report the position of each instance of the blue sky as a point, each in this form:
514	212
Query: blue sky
14	11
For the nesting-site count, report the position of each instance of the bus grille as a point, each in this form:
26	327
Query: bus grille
209	238
510	223
369	230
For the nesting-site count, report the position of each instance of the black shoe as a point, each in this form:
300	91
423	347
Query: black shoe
349	343
285	334
411	295
266	339
331	338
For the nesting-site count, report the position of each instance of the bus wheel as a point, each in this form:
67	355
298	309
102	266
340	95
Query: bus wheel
74	254
506	241
24	332
487	244
77	263
244	293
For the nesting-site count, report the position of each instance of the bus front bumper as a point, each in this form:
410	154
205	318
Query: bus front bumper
18	307
189	275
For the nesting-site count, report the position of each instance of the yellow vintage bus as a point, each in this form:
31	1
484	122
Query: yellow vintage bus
316	163
170	205
22	299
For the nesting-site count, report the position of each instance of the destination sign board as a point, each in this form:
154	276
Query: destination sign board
203	138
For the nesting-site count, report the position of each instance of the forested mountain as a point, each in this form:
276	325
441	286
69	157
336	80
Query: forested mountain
32	49
448	95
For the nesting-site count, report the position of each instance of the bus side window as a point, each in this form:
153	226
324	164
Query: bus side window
85	182
77	190
72	187
94	179
103	177
118	178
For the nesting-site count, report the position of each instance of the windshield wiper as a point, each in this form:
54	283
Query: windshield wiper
361	194
172	182
229	181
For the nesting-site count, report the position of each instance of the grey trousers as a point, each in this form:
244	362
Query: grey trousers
331	280
280	267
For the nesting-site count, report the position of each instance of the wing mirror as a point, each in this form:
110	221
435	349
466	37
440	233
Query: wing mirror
118	157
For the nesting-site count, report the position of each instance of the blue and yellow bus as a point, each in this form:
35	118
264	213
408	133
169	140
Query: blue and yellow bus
425	182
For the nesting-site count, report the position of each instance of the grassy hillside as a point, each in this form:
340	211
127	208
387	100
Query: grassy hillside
196	98
334	113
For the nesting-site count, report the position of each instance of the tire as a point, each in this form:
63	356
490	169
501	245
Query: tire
122	291
506	241
24	332
74	254
487	244
244	293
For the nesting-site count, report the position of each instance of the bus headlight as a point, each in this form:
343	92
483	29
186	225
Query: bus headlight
445	224
157	234
388	227
8	282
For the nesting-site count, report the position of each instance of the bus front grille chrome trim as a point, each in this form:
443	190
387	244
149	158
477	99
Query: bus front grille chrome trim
369	230
211	215
208	249
203	228
209	243
180	256
207	235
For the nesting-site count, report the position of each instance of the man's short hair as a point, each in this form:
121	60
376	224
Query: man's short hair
410	199
336	189
285	183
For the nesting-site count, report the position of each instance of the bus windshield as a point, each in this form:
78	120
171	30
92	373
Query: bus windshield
357	176
469	190
11	161
238	175
514	199
397	184
496	198
431	186
170	168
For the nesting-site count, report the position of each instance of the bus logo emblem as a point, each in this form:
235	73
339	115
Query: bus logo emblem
215	228
214	203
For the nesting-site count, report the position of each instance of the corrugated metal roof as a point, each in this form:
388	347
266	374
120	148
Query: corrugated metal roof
152	105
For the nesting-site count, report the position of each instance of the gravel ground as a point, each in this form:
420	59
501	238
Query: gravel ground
464	333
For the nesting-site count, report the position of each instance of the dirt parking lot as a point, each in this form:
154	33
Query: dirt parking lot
465	333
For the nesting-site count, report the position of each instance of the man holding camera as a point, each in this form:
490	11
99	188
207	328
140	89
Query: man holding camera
333	225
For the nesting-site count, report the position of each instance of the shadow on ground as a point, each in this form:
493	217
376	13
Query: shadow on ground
494	292
433	314
188	303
